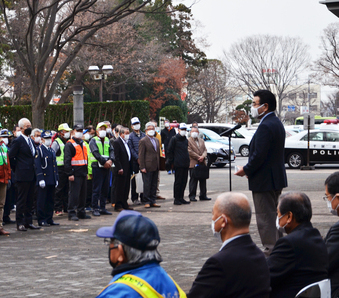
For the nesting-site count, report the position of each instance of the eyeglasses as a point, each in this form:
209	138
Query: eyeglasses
109	241
325	197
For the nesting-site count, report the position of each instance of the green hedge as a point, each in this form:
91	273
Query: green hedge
173	113
117	112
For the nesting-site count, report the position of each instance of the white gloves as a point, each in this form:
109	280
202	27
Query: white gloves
42	183
56	184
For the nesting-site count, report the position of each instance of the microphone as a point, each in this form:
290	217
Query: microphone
229	131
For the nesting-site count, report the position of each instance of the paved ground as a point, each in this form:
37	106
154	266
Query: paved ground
70	261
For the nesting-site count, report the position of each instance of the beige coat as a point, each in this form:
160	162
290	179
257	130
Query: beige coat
195	152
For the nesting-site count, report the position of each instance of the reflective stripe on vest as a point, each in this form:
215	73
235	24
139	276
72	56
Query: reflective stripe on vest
144	289
102	151
60	158
3	154
80	157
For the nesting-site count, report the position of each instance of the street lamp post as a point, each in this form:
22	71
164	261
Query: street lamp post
100	74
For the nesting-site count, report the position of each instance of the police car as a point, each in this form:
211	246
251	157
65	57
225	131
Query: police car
324	147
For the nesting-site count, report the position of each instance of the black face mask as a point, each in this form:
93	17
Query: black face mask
28	131
114	265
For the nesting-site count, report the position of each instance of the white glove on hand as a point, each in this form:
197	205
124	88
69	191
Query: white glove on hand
56	184
42	183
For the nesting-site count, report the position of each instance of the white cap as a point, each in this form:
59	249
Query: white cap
182	126
135	120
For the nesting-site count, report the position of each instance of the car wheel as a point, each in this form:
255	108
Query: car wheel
220	165
295	160
244	151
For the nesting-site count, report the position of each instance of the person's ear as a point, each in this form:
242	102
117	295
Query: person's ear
122	256
290	217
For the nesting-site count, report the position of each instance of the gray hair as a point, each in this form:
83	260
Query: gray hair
22	121
148	124
237	207
135	256
123	130
107	122
34	131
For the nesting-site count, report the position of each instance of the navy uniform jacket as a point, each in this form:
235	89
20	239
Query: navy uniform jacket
45	165
265	168
297	260
22	160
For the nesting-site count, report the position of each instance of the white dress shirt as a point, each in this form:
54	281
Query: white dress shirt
127	148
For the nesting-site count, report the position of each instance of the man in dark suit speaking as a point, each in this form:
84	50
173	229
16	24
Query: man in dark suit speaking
21	157
239	269
265	168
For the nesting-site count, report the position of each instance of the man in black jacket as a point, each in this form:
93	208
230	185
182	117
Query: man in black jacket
178	156
332	237
300	258
239	269
166	135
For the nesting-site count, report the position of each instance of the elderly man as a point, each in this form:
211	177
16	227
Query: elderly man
21	158
239	269
177	155
36	136
300	258
198	153
166	135
332	238
102	159
149	155
133	254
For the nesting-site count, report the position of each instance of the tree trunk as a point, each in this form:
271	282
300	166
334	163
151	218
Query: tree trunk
38	116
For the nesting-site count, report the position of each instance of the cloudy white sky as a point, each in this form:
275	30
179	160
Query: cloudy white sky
227	21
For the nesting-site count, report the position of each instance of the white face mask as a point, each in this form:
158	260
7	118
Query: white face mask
255	113
18	134
136	127
279	228
194	135
67	135
126	137
215	233
329	206
109	130
37	140
48	142
183	133
167	124
78	135
87	136
102	133
151	133
5	140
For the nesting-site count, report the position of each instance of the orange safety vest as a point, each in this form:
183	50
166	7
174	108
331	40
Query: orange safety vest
80	157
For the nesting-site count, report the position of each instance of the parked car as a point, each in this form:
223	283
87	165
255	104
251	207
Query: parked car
240	138
217	148
324	148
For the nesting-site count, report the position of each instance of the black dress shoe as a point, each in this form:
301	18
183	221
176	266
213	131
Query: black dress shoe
205	199
73	217
21	228
177	202
52	223
105	212
118	209
193	200
184	201
8	222
32	227
43	224
84	216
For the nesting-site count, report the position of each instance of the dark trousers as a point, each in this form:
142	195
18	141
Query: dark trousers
193	186
45	203
10	202
89	194
61	191
113	188
100	178
265	204
180	181
121	191
77	196
24	202
150	180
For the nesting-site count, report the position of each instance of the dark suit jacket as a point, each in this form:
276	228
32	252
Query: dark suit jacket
45	165
238	270
22	160
297	260
148	157
266	162
121	158
332	244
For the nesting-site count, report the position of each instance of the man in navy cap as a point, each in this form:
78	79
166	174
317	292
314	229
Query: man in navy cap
47	179
133	254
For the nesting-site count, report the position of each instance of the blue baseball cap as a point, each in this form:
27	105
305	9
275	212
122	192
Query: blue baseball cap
46	134
134	230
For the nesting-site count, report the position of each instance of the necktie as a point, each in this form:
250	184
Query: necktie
31	145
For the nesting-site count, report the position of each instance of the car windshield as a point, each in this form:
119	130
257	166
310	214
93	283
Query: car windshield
211	134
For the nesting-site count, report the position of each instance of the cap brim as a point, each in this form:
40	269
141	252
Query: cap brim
105	232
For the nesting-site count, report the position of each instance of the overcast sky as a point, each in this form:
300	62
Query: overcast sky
227	21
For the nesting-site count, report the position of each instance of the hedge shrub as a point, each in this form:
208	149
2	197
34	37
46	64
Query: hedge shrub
173	113
117	112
